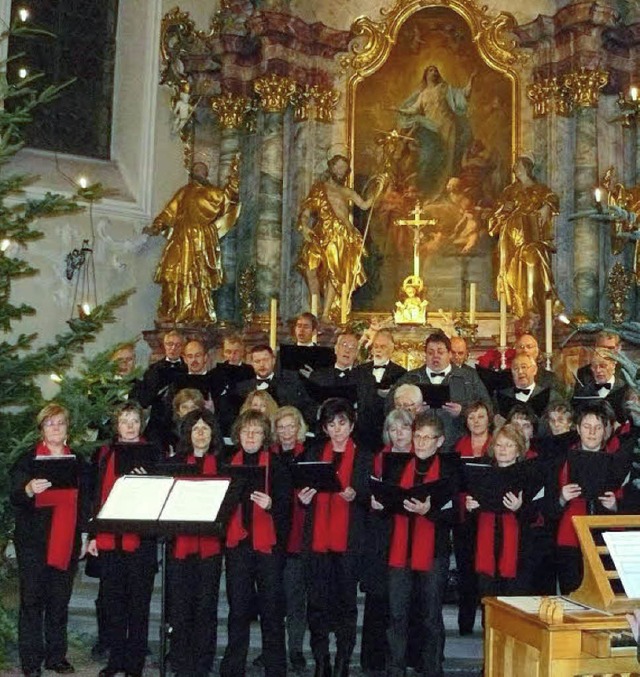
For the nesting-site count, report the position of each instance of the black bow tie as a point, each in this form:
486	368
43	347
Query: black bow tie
524	391
264	380
606	386
435	374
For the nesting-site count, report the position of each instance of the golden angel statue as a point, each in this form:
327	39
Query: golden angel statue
332	251
193	221
523	223
413	310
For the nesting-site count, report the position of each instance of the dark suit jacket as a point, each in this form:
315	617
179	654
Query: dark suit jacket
615	397
391	374
540	399
286	389
465	386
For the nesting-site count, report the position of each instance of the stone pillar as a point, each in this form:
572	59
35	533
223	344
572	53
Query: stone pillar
584	86
274	92
231	111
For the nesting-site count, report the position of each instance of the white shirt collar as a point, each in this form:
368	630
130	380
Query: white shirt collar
445	372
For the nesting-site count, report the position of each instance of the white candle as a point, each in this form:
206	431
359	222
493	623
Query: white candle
344	300
597	194
314	304
548	326
634	93
273	325
472	303
503	320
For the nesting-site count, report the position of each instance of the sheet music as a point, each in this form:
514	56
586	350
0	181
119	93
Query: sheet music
531	605
624	548
136	498
195	501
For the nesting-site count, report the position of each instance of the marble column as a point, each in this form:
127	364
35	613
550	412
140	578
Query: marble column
584	86
274	92
231	111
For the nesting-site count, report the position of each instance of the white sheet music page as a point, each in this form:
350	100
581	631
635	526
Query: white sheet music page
136	498
624	548
195	500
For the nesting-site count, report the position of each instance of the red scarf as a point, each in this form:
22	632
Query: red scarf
424	530
332	513
263	533
507	566
130	542
298	511
64	514
577	506
465	449
203	546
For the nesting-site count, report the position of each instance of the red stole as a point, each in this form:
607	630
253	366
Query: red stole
203	546
424	530
263	533
332	513
298	511
578	506
64	514
485	544
104	541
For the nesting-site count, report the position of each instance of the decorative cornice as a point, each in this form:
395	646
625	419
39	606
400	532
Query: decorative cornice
584	86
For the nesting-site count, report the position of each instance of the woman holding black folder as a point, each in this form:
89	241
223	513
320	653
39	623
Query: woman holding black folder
195	563
473	445
498	541
47	541
128	561
388	465
254	555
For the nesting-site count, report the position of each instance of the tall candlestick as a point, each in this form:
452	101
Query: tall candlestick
548	327
314	304
472	303
344	300
503	320
273	325
416	263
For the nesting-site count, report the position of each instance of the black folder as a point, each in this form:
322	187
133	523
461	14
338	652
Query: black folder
253	477
320	393
318	475
435	395
298	357
593	471
393	465
135	455
616	399
201	382
488	484
61	471
170	469
392	496
495	380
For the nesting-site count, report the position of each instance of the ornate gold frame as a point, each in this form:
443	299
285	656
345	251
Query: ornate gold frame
374	41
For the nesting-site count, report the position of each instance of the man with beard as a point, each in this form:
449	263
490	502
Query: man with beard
331	253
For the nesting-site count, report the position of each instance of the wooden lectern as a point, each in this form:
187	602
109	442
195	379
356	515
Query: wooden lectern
561	637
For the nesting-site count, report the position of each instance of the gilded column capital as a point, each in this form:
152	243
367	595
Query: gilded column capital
231	109
301	102
584	86
325	100
540	93
274	92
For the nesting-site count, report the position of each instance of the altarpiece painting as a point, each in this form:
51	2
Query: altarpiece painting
439	121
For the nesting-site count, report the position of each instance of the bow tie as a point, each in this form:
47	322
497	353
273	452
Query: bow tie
437	374
380	366
341	373
523	391
606	386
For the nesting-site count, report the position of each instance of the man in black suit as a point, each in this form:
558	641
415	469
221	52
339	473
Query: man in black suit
605	384
526	344
526	389
464	384
285	388
609	340
459	352
304	328
156	383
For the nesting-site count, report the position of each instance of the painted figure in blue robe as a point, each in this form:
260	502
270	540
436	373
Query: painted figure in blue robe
436	117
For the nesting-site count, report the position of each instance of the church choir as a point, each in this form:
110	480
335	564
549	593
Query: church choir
493	473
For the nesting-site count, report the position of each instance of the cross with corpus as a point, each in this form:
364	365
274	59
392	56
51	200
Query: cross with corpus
417	223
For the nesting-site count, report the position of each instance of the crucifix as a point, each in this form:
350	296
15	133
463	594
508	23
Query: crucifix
417	223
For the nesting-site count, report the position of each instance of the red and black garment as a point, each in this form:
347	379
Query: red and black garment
413	538
107	541
332	514
298	512
263	533
202	546
64	515
464	448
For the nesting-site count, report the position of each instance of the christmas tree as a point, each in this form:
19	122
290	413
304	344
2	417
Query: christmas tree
90	393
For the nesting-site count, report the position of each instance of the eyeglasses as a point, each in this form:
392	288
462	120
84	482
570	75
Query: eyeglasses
286	428
51	423
424	438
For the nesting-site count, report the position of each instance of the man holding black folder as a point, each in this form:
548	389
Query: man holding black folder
605	385
463	385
